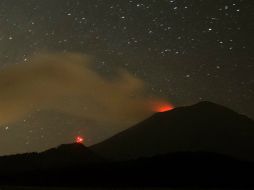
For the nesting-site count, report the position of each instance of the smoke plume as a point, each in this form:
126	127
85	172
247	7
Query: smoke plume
65	82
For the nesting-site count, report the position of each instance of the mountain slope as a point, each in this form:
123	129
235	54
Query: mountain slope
68	155
202	127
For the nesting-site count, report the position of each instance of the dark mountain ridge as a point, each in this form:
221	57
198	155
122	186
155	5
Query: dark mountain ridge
202	127
66	155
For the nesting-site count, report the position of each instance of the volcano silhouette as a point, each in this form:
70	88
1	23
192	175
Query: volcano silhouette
196	146
202	127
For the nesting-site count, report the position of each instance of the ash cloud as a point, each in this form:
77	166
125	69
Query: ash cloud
66	83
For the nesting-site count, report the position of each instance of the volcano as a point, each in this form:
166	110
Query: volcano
204	126
197	146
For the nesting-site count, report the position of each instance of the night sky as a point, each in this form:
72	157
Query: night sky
91	67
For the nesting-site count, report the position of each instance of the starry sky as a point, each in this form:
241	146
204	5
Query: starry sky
182	51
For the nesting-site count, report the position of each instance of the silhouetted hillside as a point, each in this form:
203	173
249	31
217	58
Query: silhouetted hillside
183	169
76	154
68	155
202	127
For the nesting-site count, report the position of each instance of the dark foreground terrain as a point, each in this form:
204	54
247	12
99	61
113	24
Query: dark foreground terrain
184	169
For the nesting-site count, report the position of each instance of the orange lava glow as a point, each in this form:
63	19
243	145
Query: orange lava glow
164	108
161	106
79	139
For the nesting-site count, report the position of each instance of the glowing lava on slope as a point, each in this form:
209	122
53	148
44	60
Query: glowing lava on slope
164	108
161	106
79	139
